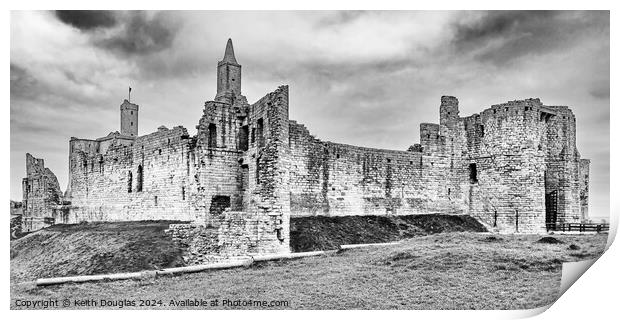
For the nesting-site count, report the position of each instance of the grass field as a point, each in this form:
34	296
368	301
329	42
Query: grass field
110	247
441	271
93	248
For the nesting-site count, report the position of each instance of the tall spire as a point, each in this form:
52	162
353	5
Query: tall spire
229	55
228	73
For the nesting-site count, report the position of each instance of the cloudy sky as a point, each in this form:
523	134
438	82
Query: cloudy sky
364	78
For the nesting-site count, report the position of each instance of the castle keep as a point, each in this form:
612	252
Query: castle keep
249	168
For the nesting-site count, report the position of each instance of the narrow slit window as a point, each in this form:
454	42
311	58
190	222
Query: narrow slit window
212	136
473	173
259	133
243	138
139	179
129	181
257	171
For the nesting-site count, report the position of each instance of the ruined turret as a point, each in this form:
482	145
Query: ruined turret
42	196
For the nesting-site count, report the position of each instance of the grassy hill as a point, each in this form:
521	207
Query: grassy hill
96	248
93	248
325	233
440	271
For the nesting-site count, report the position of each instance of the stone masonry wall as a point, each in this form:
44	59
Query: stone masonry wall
584	187
146	180
563	162
498	166
41	193
514	166
261	182
268	167
216	178
336	179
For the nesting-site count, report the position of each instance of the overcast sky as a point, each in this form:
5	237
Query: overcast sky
363	78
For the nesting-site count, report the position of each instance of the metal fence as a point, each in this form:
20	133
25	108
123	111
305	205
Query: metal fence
581	227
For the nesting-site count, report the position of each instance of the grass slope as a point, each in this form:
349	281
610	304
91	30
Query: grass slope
98	248
325	233
93	248
439	271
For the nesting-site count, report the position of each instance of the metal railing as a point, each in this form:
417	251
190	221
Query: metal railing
581	227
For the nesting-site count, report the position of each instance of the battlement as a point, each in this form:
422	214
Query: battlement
449	101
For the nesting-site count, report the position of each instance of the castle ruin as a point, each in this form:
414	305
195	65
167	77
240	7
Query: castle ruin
514	167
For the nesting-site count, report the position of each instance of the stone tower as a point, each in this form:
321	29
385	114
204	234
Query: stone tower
228	73
448	114
129	119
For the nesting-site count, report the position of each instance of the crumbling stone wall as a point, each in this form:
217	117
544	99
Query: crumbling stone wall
514	166
252	158
17	212
234	234
170	175
336	179
499	166
217	170
584	187
265	168
259	187
41	195
145	180
501	145
564	169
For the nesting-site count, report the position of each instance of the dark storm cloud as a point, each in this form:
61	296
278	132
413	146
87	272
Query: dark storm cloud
25	86
87	19
501	36
142	34
498	24
135	32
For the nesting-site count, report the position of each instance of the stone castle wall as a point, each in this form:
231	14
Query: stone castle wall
235	184
336	179
499	166
42	195
170	175
147	180
256	221
252	158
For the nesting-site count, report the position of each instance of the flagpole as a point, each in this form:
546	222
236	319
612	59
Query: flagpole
129	94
